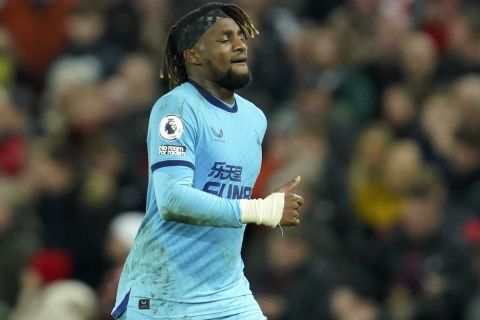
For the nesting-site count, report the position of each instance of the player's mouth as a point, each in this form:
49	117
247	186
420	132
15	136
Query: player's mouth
239	61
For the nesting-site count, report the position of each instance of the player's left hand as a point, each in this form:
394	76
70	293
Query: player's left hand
292	204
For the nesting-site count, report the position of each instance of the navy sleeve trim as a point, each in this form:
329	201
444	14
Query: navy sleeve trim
117	313
171	163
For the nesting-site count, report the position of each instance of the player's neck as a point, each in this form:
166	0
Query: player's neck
215	90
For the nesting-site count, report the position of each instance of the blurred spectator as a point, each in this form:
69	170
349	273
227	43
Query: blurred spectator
399	111
65	79
324	66
307	165
99	200
45	267
130	93
362	178
86	29
419	62
153	27
66	300
140	76
271	67
463	37
19	238
353	23
293	281
436	20
13	142
301	125
346	304
39	33
119	241
466	91
87	112
383	68
49	181
420	272
381	172
122	22
463	174
438	122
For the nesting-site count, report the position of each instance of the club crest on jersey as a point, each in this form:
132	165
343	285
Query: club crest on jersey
171	127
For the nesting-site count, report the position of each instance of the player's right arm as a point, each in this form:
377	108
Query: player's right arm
172	140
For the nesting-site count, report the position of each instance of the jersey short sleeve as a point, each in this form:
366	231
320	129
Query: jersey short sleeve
172	133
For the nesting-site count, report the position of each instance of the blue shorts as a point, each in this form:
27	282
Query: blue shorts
249	315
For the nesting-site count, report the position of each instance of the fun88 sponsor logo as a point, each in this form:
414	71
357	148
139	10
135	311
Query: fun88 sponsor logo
226	188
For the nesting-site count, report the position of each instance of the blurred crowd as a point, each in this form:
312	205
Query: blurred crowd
375	103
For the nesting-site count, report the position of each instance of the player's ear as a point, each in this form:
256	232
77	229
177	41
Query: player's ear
191	56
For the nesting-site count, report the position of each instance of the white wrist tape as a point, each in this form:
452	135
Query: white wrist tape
266	211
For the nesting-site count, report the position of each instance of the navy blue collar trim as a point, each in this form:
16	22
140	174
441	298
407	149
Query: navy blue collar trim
213	100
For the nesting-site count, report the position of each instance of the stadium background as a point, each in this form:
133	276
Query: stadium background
375	103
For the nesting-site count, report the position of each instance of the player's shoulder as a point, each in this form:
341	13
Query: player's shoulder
180	101
183	94
252	107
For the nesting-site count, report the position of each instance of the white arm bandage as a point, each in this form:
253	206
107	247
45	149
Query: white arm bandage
266	211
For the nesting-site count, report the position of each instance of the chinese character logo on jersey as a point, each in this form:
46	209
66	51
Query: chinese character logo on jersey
171	127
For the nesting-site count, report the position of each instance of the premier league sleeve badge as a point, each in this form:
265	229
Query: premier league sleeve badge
171	127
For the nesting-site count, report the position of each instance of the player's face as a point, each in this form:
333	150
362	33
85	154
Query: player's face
225	54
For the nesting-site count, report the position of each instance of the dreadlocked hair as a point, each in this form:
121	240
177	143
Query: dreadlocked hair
173	64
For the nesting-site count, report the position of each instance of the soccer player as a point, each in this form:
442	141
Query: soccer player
204	148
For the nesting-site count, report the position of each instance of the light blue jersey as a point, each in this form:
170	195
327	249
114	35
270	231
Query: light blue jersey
204	155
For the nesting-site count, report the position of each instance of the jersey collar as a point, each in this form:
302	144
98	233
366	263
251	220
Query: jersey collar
214	100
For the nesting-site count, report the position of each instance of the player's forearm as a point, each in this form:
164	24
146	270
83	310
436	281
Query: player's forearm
205	209
178	201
